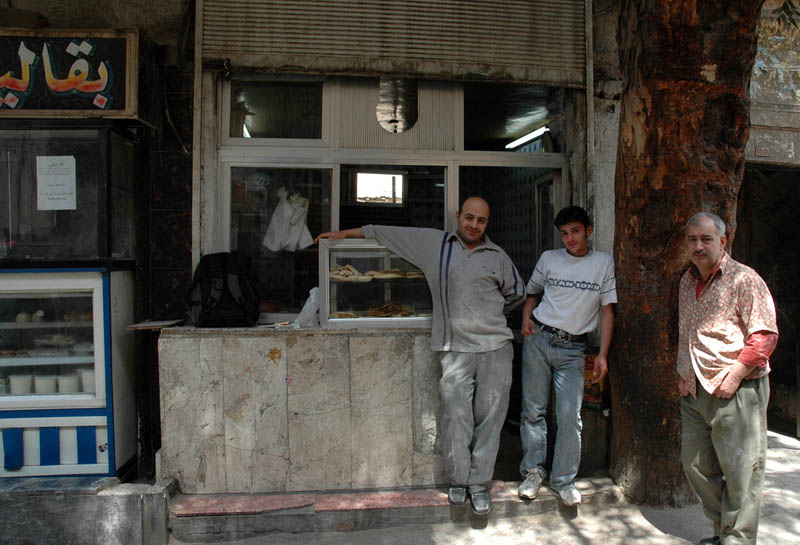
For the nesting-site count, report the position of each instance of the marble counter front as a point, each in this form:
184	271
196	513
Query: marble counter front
260	410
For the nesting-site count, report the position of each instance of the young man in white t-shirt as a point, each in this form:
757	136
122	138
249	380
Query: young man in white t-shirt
574	288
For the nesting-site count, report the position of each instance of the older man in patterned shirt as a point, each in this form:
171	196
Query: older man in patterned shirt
727	331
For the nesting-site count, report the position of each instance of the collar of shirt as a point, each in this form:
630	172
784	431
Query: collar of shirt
487	244
702	282
578	257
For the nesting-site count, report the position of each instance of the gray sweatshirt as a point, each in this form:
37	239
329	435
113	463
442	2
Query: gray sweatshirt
471	290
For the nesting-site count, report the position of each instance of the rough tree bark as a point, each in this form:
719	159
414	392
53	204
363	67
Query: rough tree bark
684	122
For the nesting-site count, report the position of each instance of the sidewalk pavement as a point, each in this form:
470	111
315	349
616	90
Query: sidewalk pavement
612	523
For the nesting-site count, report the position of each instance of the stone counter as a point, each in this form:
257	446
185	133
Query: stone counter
260	410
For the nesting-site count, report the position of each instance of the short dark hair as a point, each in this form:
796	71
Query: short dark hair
570	214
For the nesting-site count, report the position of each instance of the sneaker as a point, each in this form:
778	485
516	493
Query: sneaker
531	485
457	495
569	495
481	502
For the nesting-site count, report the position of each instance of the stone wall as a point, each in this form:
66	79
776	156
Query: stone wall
254	410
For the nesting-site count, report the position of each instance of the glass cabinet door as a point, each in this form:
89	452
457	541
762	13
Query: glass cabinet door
364	284
376	284
48	341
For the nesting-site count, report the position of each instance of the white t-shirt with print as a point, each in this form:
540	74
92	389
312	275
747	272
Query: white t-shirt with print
574	289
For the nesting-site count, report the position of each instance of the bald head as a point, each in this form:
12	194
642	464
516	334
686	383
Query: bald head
473	217
474	201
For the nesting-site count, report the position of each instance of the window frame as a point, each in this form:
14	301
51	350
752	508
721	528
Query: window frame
324	154
226	188
225	119
403	190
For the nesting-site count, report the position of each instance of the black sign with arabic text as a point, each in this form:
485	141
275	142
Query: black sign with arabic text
63	73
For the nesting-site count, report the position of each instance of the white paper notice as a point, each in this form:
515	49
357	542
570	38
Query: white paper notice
55	183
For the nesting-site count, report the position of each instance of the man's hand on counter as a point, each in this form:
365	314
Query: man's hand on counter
356	232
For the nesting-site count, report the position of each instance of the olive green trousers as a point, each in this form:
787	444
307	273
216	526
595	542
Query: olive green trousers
724	452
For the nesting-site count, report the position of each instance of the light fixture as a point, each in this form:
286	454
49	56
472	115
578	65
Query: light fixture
527	138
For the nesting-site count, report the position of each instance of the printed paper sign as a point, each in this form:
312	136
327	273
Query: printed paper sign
55	183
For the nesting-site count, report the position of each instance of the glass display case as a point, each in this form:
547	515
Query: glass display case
48	342
67	404
363	284
66	192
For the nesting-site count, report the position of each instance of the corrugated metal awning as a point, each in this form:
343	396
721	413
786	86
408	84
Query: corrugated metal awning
526	41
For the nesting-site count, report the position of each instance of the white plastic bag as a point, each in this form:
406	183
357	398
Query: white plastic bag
308	315
298	235
287	229
279	224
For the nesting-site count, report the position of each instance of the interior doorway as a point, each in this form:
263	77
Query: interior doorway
769	200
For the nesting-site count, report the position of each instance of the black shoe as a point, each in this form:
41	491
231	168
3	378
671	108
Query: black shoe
457	495
709	541
481	502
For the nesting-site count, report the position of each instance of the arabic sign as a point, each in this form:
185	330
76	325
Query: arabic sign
68	74
55	182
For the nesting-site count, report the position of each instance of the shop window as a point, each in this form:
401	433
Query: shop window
411	196
372	188
506	118
275	213
276	109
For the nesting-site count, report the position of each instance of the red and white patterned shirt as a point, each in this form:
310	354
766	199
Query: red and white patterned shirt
715	324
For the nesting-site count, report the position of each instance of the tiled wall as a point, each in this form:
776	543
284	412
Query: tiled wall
170	208
253	411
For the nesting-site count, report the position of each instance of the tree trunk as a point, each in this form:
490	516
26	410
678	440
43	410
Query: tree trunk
684	122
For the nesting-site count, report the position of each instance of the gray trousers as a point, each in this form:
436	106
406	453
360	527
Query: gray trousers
724	453
474	391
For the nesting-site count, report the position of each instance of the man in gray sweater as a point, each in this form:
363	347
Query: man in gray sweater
473	283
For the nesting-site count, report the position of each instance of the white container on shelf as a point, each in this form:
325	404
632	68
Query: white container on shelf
20	384
87	380
44	385
68	384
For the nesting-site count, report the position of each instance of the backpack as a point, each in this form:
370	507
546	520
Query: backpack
222	294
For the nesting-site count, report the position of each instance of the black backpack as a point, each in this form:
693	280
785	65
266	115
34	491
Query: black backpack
222	294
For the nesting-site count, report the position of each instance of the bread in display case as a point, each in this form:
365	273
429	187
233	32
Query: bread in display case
363	284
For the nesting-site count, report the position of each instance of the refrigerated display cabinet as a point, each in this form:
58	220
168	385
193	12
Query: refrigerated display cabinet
67	402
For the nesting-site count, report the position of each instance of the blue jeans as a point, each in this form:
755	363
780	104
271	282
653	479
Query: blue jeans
544	362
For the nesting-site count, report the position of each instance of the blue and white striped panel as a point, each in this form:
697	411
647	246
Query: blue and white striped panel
54	446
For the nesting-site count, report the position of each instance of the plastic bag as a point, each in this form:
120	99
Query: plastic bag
298	235
287	229
308	314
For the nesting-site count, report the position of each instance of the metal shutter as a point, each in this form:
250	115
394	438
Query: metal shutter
526	41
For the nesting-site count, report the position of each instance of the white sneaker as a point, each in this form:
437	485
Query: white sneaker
569	495
530	486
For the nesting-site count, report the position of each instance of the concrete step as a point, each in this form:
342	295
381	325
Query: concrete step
83	510
227	517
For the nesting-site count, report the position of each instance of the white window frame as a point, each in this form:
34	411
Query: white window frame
403	187
225	122
224	195
323	154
